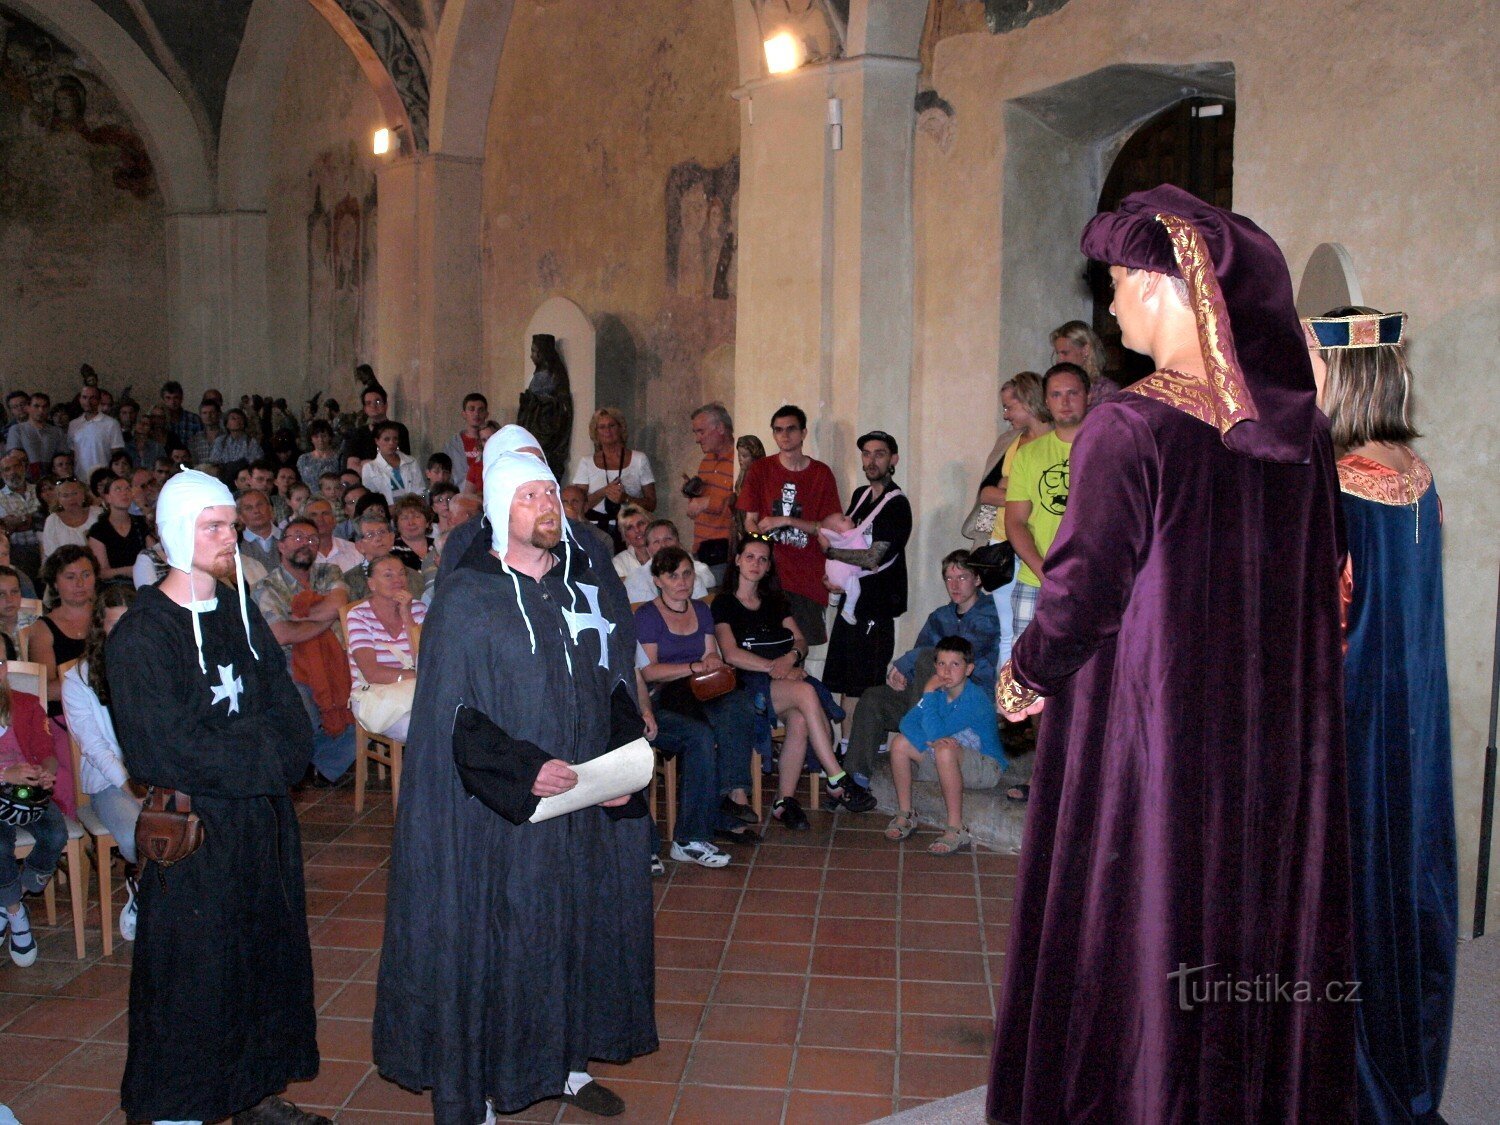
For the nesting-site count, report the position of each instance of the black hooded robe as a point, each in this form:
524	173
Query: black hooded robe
514	953
221	981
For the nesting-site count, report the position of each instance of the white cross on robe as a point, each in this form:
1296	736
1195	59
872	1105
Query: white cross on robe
593	619
228	688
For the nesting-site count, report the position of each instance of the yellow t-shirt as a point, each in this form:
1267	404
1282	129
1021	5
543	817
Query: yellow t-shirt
1007	459
1040	475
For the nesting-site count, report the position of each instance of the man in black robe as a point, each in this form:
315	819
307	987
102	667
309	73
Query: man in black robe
515	952
221	982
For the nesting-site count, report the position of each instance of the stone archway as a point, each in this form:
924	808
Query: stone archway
177	147
1060	143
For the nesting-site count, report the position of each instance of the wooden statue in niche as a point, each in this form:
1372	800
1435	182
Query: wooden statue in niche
547	403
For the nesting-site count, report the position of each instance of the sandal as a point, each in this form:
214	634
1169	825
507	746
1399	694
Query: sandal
955	838
1021	793
901	826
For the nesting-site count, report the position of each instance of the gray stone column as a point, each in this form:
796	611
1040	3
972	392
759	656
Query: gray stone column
428	291
825	238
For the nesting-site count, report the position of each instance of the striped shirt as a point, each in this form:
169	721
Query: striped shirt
366	631
715	521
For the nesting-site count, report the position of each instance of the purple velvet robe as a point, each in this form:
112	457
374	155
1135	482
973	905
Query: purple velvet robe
1188	807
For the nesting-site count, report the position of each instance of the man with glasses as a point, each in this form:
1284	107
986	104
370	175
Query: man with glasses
361	444
375	540
300	601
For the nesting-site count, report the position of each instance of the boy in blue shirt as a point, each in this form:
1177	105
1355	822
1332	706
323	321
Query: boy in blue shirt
952	732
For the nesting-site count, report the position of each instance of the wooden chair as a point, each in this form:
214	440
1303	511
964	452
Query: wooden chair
104	841
384	752
31	609
31	679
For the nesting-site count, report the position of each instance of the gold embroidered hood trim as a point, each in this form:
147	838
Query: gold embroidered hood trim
1222	400
1370	480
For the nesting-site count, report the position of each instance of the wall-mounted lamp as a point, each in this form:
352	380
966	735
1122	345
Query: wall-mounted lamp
380	143
783	53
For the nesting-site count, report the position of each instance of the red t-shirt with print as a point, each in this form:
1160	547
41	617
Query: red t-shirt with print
771	489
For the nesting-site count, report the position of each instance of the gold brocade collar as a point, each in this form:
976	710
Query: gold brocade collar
1221	399
1370	480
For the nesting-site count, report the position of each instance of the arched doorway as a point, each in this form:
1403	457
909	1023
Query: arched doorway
1191	145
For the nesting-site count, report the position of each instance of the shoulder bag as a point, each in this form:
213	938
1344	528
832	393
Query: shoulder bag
168	830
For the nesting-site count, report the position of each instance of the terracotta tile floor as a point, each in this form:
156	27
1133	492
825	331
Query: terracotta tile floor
826	976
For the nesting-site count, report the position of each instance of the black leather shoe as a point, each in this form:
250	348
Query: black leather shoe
599	1100
741	812
278	1111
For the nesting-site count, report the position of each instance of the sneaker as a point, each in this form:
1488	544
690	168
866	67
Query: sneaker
789	812
658	868
700	852
128	914
849	793
22	943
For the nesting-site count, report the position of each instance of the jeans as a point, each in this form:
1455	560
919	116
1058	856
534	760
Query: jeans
30	875
712	759
332	754
119	811
1006	614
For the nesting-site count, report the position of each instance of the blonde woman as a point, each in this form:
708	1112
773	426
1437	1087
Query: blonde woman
615	474
1076	342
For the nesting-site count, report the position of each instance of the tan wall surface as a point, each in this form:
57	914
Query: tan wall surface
81	227
321	262
1368	126
588	122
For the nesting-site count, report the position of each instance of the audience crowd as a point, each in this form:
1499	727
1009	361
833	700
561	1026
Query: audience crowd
342	530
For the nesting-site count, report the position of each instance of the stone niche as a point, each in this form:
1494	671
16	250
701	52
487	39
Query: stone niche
82	243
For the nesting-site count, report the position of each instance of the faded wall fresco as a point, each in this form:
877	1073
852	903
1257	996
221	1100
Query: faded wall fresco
81	225
321	219
629	213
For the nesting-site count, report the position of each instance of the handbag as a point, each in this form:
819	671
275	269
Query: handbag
22	804
379	706
996	564
711	685
168	830
980	522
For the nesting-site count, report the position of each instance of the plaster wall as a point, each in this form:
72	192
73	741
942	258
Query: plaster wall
1379	144
321	219
604	134
82	242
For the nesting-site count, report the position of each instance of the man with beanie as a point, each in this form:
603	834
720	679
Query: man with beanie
515	952
221	983
1180	943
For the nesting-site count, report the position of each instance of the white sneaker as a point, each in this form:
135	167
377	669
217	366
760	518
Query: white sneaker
700	852
22	941
127	915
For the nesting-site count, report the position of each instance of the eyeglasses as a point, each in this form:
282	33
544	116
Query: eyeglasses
297	537
371	536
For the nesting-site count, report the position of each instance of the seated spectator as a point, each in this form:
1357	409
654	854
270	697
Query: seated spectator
286	477
332	550
323	458
331	488
951	734
71	578
27	587
164	470
35	438
361	443
440	497
62	465
201	444
297	497
97	482
759	636
300	601
69	524
347	528
711	739
179	455
117	537
19	505
120	464
968	614
142	444
259	537
376	540
574	500
632	523
384	635
235	447
439	471
27	758
414	545
639	586
10	611
373	502
390	472
263	480
101	772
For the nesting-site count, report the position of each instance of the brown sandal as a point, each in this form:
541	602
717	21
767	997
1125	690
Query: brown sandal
902	825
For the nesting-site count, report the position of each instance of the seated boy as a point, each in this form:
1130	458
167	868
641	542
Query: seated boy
952	732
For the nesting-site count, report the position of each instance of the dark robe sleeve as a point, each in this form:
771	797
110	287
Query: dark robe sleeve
625	726
165	740
1090	570
496	768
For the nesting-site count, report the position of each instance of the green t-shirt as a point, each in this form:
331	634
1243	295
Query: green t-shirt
1040	475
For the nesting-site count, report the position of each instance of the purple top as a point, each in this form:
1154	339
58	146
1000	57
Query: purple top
673	648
